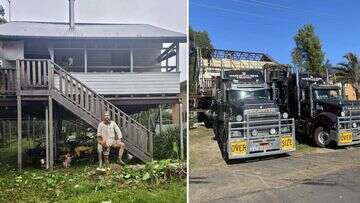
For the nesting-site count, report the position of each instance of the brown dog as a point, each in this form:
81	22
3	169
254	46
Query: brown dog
82	149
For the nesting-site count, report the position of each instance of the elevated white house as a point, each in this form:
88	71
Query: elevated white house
86	69
116	60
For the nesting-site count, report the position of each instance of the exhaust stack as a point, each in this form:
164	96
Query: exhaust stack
72	14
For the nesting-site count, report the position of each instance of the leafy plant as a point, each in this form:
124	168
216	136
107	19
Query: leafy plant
167	144
156	172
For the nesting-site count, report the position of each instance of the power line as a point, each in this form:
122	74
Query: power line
236	11
251	14
225	9
283	8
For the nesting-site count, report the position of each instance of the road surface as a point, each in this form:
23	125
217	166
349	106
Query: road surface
315	175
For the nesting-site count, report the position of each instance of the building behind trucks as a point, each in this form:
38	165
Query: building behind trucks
321	112
234	98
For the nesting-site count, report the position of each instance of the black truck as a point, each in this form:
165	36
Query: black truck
320	111
245	120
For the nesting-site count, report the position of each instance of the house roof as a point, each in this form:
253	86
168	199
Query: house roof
26	29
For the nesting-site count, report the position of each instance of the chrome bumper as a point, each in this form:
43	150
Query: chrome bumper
261	144
344	129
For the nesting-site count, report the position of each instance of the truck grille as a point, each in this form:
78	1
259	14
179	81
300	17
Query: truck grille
347	121
260	125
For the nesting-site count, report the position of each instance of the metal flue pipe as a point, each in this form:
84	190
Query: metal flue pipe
72	14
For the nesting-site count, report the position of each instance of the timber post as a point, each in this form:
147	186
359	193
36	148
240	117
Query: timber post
19	118
177	57
10	131
47	136
160	119
51	135
57	128
181	132
19	125
28	131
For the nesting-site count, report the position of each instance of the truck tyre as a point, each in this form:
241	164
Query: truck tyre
225	151
216	133
208	124
321	136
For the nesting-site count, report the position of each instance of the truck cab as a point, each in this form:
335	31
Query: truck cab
246	121
322	113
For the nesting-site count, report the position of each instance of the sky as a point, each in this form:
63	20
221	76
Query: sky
269	25
168	14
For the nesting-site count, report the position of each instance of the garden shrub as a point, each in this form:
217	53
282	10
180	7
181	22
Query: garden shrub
167	144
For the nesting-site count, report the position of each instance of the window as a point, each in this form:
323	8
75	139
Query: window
70	59
237	95
321	94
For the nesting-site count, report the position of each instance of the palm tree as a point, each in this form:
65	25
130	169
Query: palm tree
350	69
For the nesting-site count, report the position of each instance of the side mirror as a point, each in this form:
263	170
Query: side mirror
302	95
276	94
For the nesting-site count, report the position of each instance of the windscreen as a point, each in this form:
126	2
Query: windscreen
321	94
237	95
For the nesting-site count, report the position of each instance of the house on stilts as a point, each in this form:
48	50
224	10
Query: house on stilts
53	70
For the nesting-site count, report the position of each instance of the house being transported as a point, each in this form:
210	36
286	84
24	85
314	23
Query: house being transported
53	70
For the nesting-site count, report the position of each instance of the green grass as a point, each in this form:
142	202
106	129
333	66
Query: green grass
304	147
172	192
200	132
79	184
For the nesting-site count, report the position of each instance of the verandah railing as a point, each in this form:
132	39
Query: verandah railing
45	74
7	80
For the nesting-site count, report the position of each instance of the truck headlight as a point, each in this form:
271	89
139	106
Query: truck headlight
236	134
285	115
354	125
272	131
342	113
238	118
254	132
285	129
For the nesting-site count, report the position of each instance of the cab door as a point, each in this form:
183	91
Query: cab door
305	103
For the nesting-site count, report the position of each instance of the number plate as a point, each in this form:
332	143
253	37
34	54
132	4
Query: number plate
287	143
238	147
345	137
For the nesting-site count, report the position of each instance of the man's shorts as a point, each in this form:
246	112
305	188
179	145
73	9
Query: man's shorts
110	143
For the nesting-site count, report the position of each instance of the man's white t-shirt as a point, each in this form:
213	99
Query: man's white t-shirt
109	132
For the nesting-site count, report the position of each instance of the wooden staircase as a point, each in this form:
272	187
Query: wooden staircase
44	77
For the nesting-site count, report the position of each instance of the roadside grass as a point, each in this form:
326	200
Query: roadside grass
304	147
196	135
200	132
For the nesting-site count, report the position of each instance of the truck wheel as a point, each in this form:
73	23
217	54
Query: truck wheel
321	136
216	132
208	124
226	152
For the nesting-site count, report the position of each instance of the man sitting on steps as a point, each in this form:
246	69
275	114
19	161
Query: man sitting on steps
109	135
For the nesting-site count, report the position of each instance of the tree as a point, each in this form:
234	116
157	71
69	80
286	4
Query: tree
350	69
308	54
2	15
198	39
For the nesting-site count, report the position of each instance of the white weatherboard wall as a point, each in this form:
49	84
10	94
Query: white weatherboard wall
131	83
